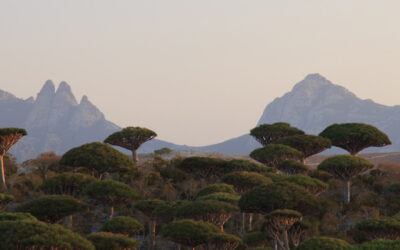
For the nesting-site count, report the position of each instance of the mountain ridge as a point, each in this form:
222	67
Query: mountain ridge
57	122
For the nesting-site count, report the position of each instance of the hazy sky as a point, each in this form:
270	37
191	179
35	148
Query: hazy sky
198	71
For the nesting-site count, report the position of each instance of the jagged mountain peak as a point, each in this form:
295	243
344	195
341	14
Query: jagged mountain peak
64	88
84	100
64	94
48	88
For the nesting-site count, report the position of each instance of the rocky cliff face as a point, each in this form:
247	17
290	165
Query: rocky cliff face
54	121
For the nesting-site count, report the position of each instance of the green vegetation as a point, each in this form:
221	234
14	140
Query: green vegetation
31	234
291	167
278	222
52	208
307	144
67	183
312	185
282	195
216	188
212	211
345	167
110	192
244	181
5	199
270	133
98	158
122	225
325	243
111	241
162	151
8	137
273	154
355	137
190	233
131	138
201	202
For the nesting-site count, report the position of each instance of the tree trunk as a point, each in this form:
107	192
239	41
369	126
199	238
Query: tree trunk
250	228
244	223
3	175
347	184
70	222
286	240
153	235
304	161
111	211
135	156
222	227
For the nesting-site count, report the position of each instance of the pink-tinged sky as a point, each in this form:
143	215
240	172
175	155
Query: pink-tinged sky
198	72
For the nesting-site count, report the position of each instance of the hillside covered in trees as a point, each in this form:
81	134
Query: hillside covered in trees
95	197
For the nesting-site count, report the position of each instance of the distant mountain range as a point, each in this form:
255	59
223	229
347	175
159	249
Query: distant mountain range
57	122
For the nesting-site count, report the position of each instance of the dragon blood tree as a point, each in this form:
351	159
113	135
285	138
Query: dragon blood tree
277	224
273	154
355	137
345	167
270	133
131	138
307	144
8	137
211	211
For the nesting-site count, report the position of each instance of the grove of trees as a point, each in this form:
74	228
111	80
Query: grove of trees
96	197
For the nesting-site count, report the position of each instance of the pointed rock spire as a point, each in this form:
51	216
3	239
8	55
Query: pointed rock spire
48	88
64	94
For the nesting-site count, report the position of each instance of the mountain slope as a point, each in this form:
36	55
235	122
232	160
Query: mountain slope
315	103
57	122
54	121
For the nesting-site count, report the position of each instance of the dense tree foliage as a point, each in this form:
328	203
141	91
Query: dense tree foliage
52	208
379	245
355	137
216	188
131	138
67	183
189	232
110	192
31	234
122	225
255	239
290	167
270	133
246	199
273	154
345	167
282	195
243	181
99	158
111	241
212	211
8	137
221	196
307	144
5	199
312	185
372	229
325	243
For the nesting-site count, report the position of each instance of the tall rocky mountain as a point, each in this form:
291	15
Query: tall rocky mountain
55	121
312	105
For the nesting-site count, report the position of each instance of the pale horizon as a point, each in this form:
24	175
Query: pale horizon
197	73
